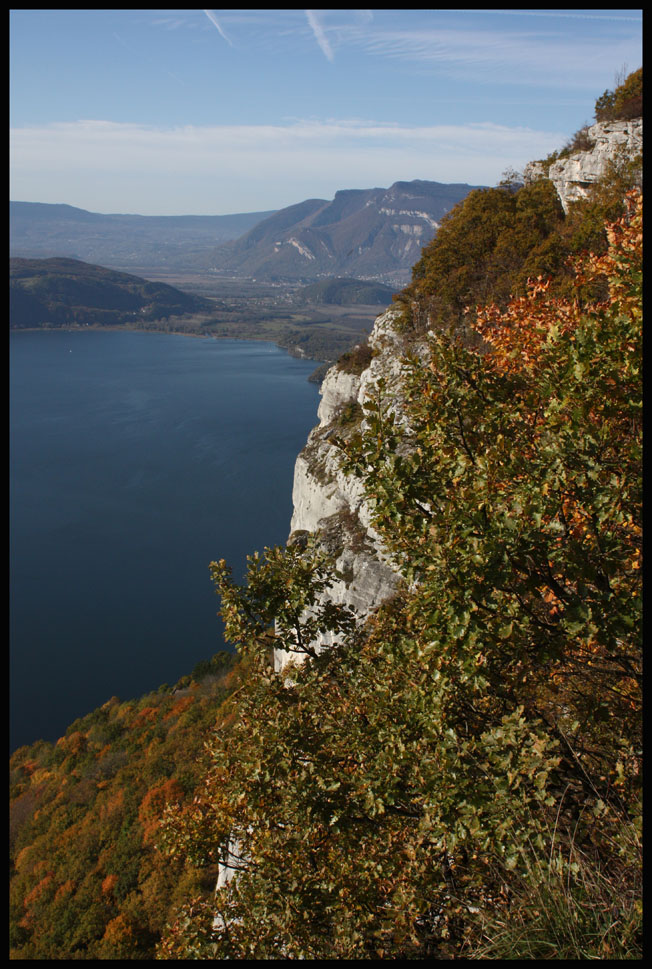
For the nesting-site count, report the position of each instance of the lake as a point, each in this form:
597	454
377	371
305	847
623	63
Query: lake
135	460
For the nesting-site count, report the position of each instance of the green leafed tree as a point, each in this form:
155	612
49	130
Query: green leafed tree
407	793
624	102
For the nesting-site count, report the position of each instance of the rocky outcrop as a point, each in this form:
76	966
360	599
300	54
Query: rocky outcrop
328	502
331	503
574	175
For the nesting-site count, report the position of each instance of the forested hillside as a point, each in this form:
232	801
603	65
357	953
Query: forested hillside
345	292
461	776
87	878
64	292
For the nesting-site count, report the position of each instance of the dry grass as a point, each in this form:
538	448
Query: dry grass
569	905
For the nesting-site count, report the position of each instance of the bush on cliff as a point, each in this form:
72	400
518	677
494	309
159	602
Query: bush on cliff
624	102
493	242
475	748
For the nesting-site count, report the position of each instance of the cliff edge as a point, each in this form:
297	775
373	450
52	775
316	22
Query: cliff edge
574	175
327	501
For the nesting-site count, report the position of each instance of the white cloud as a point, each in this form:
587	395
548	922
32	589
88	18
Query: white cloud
320	36
563	50
213	19
540	55
98	164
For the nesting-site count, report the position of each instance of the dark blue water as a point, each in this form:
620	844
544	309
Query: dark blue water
136	459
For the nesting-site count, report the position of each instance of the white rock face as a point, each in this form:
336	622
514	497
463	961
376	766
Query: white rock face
327	501
337	389
573	176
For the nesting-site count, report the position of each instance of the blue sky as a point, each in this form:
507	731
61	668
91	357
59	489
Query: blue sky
209	112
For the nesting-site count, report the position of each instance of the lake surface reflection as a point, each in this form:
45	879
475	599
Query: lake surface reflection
136	459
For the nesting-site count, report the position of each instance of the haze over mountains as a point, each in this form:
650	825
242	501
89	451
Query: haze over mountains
374	234
39	230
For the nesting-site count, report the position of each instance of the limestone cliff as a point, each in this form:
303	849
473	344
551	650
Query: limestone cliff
574	175
329	502
325	499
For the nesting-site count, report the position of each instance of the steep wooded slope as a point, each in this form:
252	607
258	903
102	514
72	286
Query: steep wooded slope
60	292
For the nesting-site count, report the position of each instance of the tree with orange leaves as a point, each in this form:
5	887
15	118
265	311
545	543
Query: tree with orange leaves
388	795
521	492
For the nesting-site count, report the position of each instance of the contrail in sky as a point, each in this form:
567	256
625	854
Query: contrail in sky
213	19
320	36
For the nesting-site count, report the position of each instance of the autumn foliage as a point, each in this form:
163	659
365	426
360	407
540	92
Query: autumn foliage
88	880
624	102
462	776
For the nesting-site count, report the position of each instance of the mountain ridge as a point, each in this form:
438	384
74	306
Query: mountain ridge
374	233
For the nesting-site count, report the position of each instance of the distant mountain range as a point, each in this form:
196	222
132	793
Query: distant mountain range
60	292
374	233
171	242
